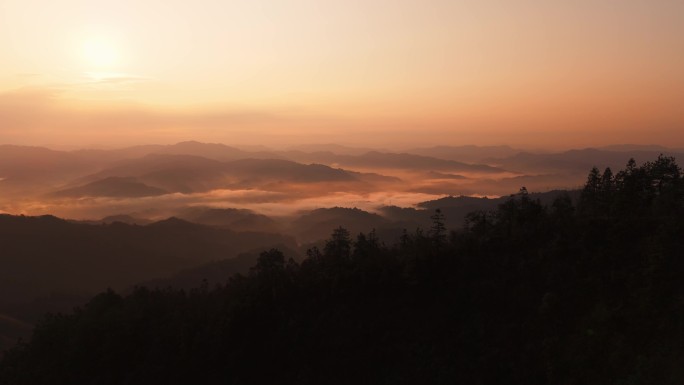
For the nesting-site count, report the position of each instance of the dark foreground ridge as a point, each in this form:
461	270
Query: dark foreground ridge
527	294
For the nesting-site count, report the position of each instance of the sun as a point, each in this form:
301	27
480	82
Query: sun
101	53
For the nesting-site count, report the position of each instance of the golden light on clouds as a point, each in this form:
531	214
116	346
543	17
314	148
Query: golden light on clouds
520	70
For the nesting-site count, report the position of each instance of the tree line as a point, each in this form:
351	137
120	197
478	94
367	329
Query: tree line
586	292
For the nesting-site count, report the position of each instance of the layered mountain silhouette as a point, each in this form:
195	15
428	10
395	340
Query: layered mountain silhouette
135	178
232	218
215	151
49	264
112	187
388	160
316	224
124	218
46	254
28	174
215	272
471	154
575	161
158	174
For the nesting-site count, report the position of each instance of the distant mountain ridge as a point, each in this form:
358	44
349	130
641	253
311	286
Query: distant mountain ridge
578	161
467	153
43	254
159	174
232	218
391	160
112	187
194	174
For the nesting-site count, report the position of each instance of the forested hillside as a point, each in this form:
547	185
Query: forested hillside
529	293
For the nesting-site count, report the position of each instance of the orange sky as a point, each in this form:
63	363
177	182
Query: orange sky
392	73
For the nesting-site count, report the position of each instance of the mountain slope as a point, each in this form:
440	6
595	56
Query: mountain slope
389	160
41	255
117	187
187	174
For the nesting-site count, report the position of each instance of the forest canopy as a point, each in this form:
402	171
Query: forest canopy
586	292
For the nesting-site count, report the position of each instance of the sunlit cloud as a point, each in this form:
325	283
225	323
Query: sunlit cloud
265	202
113	77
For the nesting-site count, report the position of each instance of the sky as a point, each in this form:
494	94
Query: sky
529	73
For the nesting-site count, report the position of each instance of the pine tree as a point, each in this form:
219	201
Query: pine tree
438	230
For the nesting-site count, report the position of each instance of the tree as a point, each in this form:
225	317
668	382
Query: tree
438	230
269	262
664	173
591	187
591	197
339	245
607	181
366	245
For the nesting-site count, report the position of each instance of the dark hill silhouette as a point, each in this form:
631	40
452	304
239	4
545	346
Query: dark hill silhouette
330	148
173	173
120	218
287	171
485	203
455	209
175	223
186	174
42	255
27	170
638	147
123	218
155	163
232	218
28	163
388	160
527	293
215	151
316	224
118	187
215	273
469	153
575	161
29	175
441	175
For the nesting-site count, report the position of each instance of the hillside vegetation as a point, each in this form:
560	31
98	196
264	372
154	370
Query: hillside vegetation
528	293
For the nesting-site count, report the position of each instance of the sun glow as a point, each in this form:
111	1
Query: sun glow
101	53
